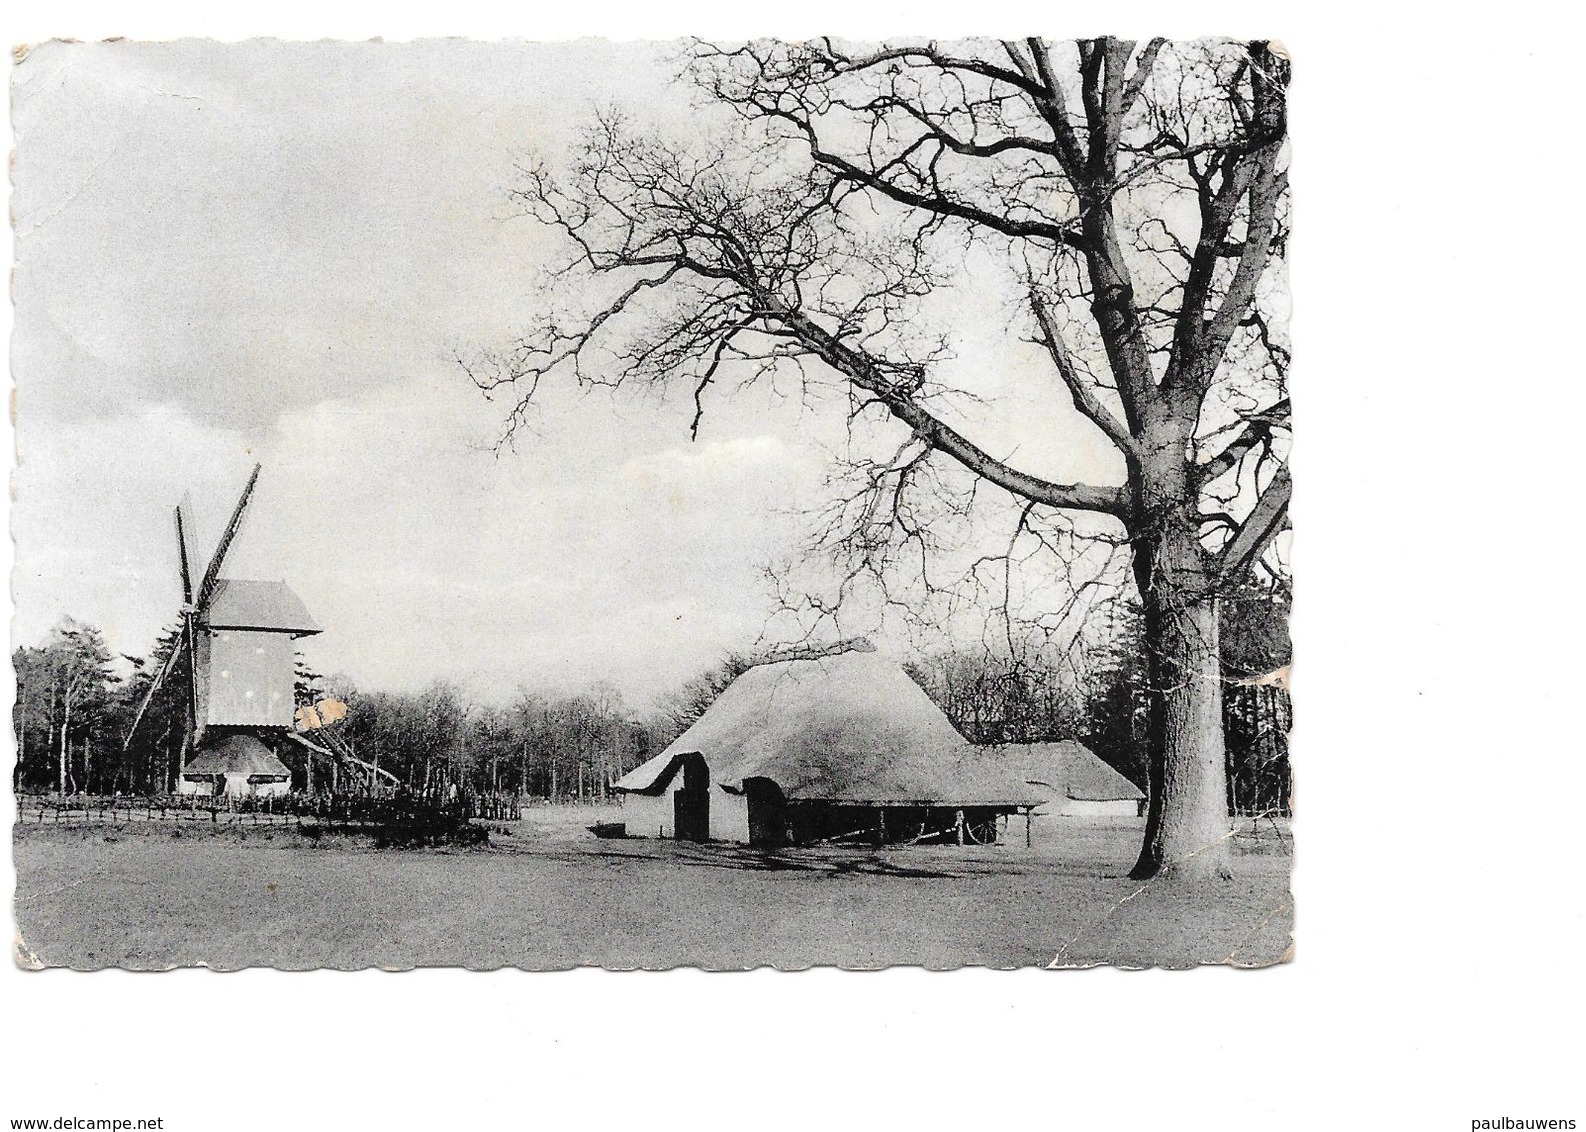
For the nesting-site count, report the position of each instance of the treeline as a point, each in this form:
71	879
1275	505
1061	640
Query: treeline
70	714
73	711
561	748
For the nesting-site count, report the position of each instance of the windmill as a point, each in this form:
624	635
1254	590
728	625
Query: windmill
238	636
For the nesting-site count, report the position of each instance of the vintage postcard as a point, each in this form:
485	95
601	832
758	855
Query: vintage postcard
642	505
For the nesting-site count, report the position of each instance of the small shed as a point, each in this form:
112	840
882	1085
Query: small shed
238	765
1072	779
824	748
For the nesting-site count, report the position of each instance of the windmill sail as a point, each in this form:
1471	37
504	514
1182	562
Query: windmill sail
184	547
206	588
179	645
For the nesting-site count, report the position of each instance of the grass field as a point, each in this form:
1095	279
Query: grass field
548	895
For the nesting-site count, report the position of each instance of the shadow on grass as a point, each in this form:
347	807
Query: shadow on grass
768	861
730	857
642	852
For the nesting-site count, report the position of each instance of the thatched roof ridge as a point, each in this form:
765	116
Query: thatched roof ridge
850	727
812	651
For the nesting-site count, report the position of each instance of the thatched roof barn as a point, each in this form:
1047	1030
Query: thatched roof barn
1072	780
235	764
821	748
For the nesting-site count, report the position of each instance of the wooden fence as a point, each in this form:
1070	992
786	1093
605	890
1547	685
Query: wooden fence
337	811
55	810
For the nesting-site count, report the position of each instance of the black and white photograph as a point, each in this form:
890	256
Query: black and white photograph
644	505
600	570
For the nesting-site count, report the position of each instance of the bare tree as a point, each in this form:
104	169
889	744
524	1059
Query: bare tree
1134	201
67	686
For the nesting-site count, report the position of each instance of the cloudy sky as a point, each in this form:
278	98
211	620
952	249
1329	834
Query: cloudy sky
271	252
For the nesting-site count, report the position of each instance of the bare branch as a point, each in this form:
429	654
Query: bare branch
1261	526
1083	392
1257	432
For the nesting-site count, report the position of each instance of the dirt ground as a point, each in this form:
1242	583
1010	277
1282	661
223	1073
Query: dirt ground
549	895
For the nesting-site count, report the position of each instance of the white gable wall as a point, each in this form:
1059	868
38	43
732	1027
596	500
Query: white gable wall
645	815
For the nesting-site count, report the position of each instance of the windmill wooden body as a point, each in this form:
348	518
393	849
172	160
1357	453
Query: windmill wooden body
239	636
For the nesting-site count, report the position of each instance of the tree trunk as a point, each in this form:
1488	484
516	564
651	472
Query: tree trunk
1187	823
66	724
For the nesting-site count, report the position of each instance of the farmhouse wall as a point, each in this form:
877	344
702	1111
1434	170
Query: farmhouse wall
1079	808
204	787
652	816
646	816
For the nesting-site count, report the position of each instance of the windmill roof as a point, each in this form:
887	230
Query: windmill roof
245	603
1067	769
850	727
235	754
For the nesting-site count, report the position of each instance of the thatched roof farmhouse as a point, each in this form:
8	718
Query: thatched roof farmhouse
834	747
